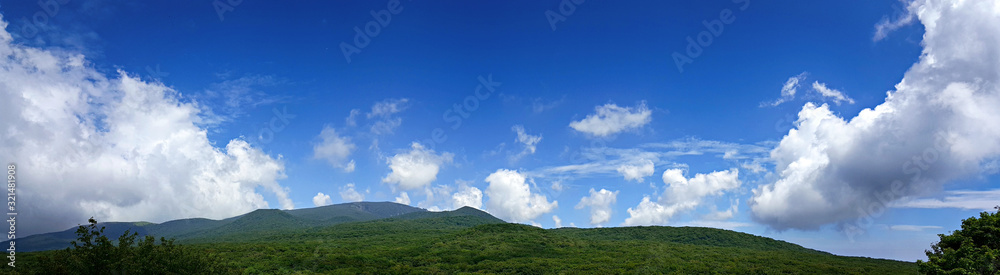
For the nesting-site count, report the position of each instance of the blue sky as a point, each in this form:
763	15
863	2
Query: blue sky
568	114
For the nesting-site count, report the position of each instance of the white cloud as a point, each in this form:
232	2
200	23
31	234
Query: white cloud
386	126
611	119
603	160
403	198
433	195
724	215
388	107
788	90
383	115
557	220
961	199
731	225
322	199
383	111
510	197
117	148
416	168
467	196
938	125
334	149
637	172
348	194
600	205
832	94
886	26
352	118
530	142
906	227
681	194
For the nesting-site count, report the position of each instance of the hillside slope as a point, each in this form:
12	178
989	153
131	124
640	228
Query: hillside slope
470	240
255	222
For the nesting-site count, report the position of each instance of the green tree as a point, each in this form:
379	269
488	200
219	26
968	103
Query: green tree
95	253
974	249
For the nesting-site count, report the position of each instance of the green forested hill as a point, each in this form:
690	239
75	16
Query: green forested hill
470	240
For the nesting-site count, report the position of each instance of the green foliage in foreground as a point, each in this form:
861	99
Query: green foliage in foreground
974	249
94	253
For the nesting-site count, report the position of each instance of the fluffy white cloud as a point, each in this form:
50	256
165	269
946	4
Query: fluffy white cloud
940	124
348	194
403	198
530	142
611	119
467	196
510	197
681	194
832	94
322	199
117	148
557	220
600	205
334	149
637	172
416	168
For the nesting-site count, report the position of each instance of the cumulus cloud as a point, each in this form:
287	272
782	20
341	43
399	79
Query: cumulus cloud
322	199
510	197
416	168
467	196
334	149
530	142
836	96
403	198
348	194
600	205
117	148
681	194
637	172
557	220
788	90
611	119
939	125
